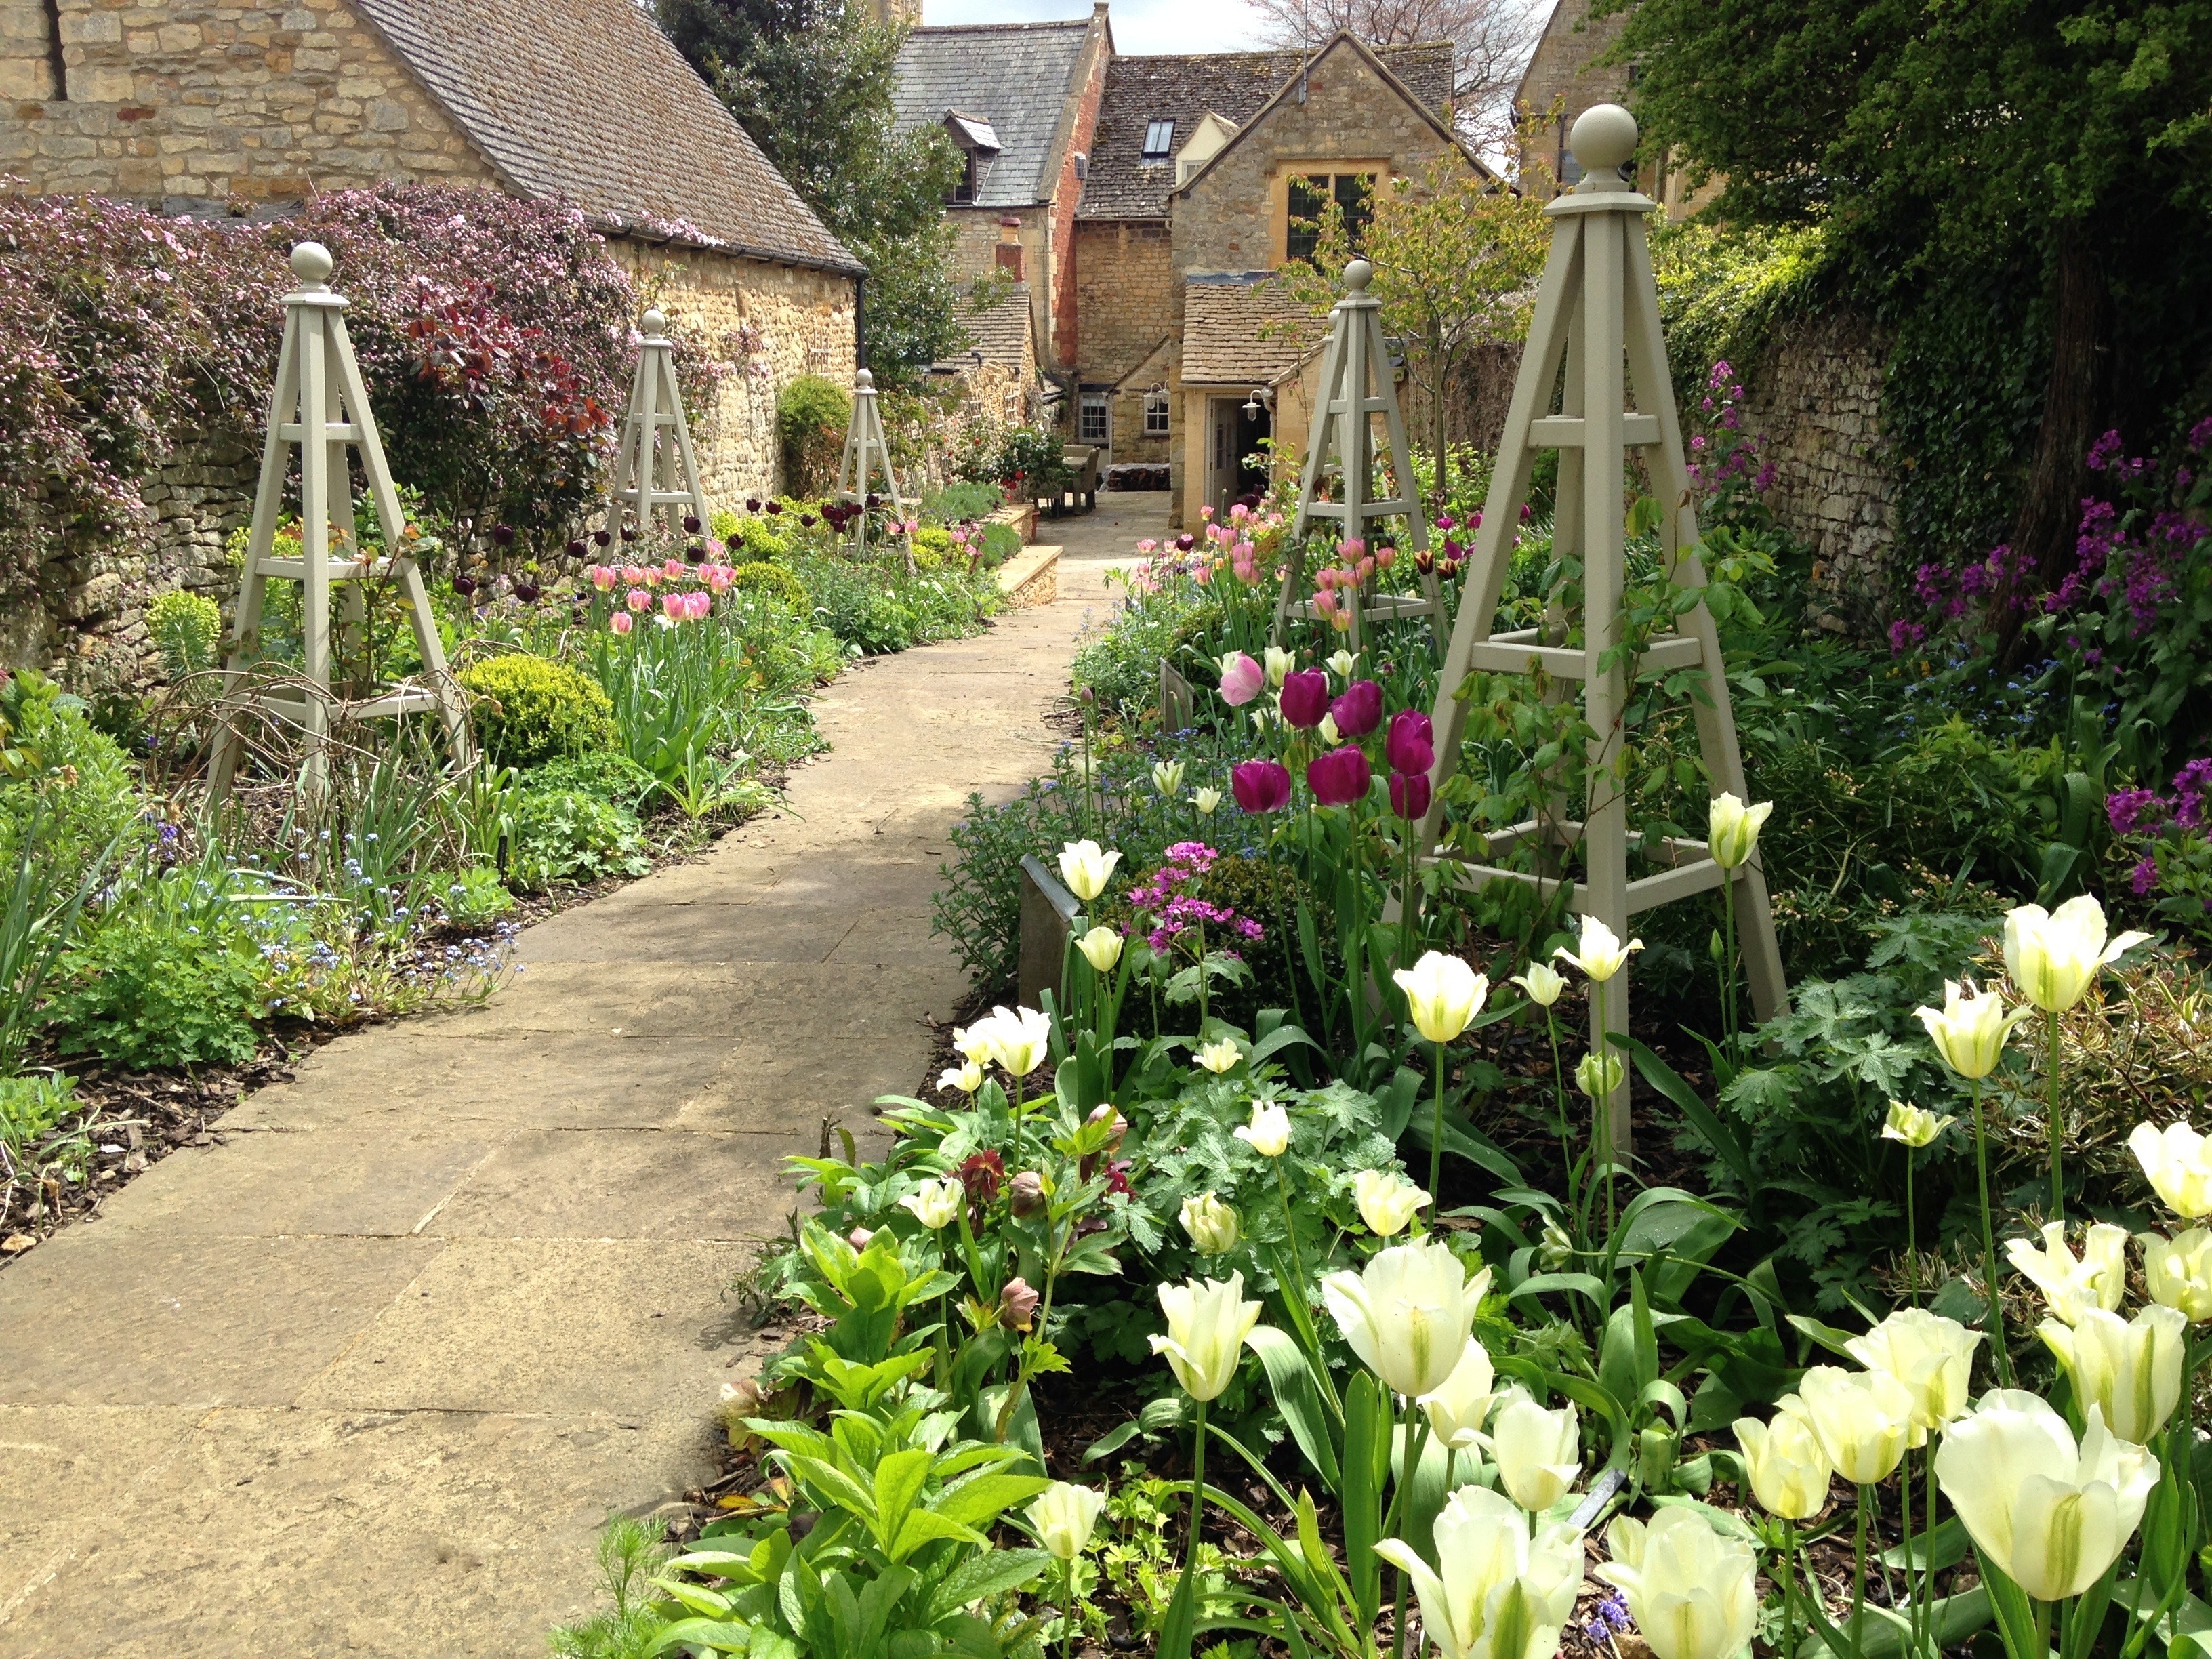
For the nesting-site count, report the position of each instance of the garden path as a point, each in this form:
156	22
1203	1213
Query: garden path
365	1376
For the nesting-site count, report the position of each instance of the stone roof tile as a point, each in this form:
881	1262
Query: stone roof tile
1016	76
1244	329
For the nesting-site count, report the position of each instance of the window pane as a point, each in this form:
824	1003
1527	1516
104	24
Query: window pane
1156	414
1093	428
1309	200
1159	139
1355	198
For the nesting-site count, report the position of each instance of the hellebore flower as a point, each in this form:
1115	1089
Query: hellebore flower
1268	1133
1305	698
1788	1471
1496	1594
2054	957
1260	786
1278	662
1221	1056
1339	777
1241	679
1910	1124
1933	1356
981	1175
1599	952
2051	1515
1101	948
1359	710
934	1203
2130	1369
1458	1406
1167	778
1387	1200
1203	801
1443	994
1538	1453
1863	1420
1018	1305
1971	1030
1207	1322
1408	1314
1692	1592
1410	795
1411	743
1065	1515
2176	1161
1026	1193
2071	1287
1211	1225
1543	985
1732	829
2179	1272
1087	868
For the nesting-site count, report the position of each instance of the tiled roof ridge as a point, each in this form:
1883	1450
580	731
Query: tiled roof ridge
985	28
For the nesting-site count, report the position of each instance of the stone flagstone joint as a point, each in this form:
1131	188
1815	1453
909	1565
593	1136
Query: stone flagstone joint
1597	314
320	405
656	473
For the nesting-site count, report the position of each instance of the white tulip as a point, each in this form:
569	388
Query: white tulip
967	1079
1914	1127
934	1203
1732	829
1064	1515
1087	868
1329	734
2051	1515
1443	994
1167	778
1101	948
1221	1056
1278	663
1408	1314
1204	801
1970	1032
1538	1453
1496	1592
1789	1471
2054	957
1933	1356
1211	1224
1543	983
1598	953
1692	1593
1388	1201
1207	1322
1598	1075
1863	1420
1457	1407
2072	1286
1020	1038
1344	662
2179	1272
2177	1161
2130	1369
1268	1133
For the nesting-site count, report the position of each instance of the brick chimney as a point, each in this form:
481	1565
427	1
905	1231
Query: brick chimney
1009	251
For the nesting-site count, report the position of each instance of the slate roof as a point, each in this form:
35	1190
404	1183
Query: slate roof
1002	334
1222	322
1234	85
1016	76
586	102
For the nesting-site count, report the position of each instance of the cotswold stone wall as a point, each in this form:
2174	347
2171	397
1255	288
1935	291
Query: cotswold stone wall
763	325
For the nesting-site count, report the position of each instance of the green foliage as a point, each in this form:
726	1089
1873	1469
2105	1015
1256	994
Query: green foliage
1723	290
1032	462
811	413
30	1106
759	576
1120	663
878	607
162	978
473	897
564	834
528	710
186	627
961	501
70	779
759	541
607	776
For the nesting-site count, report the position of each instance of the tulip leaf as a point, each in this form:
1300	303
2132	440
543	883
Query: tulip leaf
1464	1142
1946	1547
1722	1140
1366	1444
1827	1336
1291	1384
1587	1285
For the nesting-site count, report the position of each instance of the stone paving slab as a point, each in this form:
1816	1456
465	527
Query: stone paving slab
365	1376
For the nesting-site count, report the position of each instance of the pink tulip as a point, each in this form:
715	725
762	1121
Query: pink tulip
718	577
1241	680
1202	574
674	569
1148	546
603	577
620	621
1325	580
701	605
715	547
651	575
1386	557
632	575
1325	602
638	600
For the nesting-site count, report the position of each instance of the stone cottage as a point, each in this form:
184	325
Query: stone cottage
1567	73
244	107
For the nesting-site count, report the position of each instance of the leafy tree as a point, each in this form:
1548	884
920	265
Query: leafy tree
1939	142
1455	256
813	82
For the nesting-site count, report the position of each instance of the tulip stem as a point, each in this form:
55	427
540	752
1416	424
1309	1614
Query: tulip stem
1912	1238
1993	1317
1858	1573
1197	1495
2056	1115
1437	1141
1789	1590
1409	1453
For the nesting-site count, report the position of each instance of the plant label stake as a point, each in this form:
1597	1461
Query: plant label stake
1343	427
655	471
865	454
1597	315
321	404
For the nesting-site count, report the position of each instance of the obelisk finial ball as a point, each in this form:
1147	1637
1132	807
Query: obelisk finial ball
1604	137
656	322
312	262
865	380
1357	275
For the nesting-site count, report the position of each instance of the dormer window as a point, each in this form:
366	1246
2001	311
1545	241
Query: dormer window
979	142
1159	141
1211	137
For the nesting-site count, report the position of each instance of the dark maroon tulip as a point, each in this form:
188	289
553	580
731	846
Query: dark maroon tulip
1305	698
1260	786
691	524
630	532
503	534
1360	710
753	503
465	585
526	592
772	507
601	537
1339	777
1409	794
1411	745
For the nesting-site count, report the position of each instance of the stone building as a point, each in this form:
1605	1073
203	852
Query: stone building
246	107
1020	101
1567	73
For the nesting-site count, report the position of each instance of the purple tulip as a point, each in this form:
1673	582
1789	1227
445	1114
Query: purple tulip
1305	698
1411	745
1360	710
1260	786
1410	795
1241	679
1339	777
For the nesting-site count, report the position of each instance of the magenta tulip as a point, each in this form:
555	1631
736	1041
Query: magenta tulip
1339	777
1409	794
1360	710
1241	679
1260	786
1305	698
1411	745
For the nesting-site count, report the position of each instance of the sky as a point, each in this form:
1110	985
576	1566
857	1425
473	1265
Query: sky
1140	26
